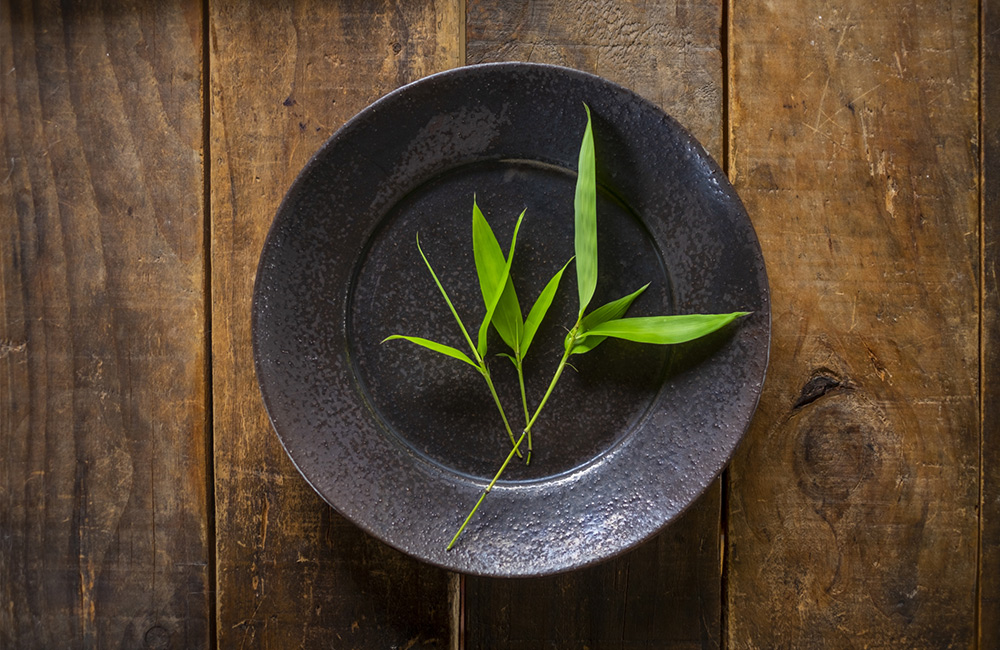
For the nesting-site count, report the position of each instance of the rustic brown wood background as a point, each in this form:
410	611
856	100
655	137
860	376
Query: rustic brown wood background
145	501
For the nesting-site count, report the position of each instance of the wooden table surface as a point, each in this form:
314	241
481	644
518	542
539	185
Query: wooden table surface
145	500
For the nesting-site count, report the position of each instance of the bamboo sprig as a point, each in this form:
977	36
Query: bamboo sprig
478	350
591	329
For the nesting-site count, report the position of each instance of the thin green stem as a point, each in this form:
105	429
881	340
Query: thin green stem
552	385
496	399
454	312
487	490
524	401
524	397
526	432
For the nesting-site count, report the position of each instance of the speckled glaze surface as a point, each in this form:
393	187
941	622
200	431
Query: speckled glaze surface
401	440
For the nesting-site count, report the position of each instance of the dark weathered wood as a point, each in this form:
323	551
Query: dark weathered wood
989	567
285	75
853	512
853	508
103	505
666	593
667	52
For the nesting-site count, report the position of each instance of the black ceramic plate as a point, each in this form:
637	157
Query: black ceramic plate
401	440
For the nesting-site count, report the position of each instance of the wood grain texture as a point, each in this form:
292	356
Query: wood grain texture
853	510
989	563
665	594
285	76
668	52
103	506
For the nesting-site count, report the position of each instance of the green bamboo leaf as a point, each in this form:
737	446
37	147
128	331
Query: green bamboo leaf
446	350
497	292
468	339
539	309
509	357
664	330
610	311
585	222
490	263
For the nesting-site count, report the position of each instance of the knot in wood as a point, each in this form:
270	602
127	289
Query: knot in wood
156	638
834	452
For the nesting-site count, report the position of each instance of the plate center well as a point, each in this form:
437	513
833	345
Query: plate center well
441	408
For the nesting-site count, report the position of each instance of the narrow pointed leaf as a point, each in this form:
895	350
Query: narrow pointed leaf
612	310
539	309
509	357
490	263
497	292
585	221
664	330
437	347
507	317
468	339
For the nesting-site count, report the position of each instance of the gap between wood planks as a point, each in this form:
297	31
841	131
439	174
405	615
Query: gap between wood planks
981	136
206	146
725	51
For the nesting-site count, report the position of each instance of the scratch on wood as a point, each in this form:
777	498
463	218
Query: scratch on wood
891	190
819	108
263	523
825	135
249	626
843	35
849	105
864	94
8	347
880	369
868	151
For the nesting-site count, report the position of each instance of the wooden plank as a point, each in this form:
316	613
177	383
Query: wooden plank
666	593
853	510
285	76
103	505
668	52
989	567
